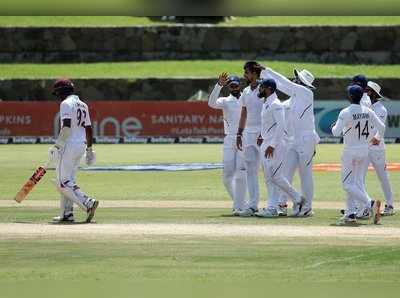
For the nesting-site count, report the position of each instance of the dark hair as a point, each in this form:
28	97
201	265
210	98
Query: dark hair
360	80
253	66
269	83
355	92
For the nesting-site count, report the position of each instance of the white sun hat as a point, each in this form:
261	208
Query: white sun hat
306	77
374	86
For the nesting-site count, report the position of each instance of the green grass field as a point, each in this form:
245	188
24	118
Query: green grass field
181	263
183	69
122	21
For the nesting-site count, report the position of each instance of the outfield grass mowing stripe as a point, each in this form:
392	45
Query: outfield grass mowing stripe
184	69
123	21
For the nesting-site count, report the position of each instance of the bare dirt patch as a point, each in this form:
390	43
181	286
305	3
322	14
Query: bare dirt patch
336	167
99	231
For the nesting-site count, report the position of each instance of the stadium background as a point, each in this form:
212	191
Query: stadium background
138	79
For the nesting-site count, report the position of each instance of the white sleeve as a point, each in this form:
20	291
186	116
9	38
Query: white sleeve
283	84
65	111
265	74
337	129
213	99
380	126
279	117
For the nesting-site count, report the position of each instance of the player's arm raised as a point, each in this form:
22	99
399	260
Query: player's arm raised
213	101
282	83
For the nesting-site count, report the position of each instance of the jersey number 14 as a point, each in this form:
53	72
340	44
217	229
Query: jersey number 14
364	131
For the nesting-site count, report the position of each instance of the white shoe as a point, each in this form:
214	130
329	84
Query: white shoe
297	206
67	218
267	212
365	214
92	206
347	219
247	212
388	211
306	213
282	210
236	212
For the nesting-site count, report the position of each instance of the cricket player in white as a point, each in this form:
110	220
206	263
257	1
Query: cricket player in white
273	150
362	81
303	137
354	125
74	139
274	191
376	154
234	176
249	134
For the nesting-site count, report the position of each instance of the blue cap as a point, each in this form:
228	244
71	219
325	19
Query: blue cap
355	91
268	83
360	80
233	80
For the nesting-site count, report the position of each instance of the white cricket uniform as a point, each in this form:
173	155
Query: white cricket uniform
274	191
234	177
301	148
377	156
273	129
354	124
366	101
71	154
253	104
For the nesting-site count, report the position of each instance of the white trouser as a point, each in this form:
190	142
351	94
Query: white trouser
234	175
300	155
353	171
378	160
67	166
252	159
273	174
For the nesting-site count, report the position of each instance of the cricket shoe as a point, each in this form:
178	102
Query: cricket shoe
247	212
298	206
267	213
342	211
388	211
67	218
92	206
376	211
365	214
347	219
282	210
236	212
306	213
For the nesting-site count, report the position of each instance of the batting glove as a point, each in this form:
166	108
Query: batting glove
54	153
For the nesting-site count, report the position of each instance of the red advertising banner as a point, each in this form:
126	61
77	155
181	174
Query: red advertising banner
116	118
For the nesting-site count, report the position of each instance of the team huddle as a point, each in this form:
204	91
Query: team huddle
259	129
281	136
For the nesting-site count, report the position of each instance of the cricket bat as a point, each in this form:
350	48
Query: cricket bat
30	184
